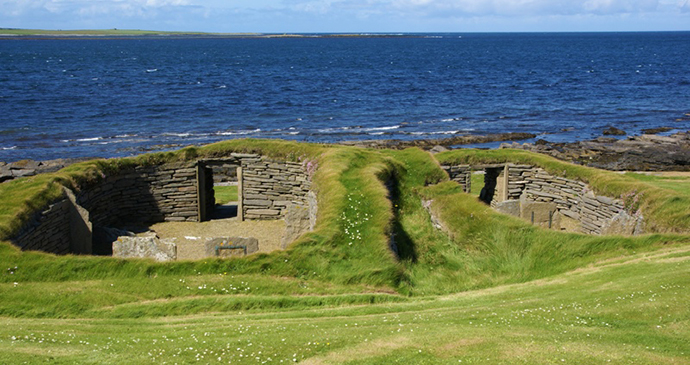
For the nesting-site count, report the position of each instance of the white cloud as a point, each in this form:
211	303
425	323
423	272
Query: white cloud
336	15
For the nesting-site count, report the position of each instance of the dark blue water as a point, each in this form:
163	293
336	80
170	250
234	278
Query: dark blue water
118	97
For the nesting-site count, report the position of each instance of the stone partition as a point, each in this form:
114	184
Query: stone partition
269	187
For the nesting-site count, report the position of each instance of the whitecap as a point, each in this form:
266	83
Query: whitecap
382	128
238	133
89	139
10	148
152	70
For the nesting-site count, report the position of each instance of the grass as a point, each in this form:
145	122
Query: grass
488	286
225	194
629	311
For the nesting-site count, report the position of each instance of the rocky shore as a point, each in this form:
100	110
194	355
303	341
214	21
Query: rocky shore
647	152
9	171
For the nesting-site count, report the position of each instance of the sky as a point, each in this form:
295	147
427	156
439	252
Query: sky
351	16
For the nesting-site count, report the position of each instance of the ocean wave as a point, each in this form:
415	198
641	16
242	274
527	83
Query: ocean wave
91	139
238	133
9	148
382	128
439	132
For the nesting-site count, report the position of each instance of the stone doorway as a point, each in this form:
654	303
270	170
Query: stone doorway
220	189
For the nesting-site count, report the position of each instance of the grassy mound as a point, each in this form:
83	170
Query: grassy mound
374	240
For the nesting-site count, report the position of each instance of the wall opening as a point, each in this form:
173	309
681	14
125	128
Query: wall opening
220	189
490	183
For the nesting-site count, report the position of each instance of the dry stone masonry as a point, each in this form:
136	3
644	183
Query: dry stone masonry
554	202
460	174
269	187
143	195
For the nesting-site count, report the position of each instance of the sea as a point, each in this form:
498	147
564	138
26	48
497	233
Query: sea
112	97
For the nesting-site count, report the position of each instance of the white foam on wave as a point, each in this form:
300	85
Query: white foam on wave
238	133
382	128
92	139
170	134
440	132
9	148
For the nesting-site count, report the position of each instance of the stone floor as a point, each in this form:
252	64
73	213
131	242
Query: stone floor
190	237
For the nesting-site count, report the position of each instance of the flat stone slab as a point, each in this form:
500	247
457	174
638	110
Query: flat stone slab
231	246
145	247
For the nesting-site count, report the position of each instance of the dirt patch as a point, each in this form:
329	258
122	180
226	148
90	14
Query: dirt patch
190	237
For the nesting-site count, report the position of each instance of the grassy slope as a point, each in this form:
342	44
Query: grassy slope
364	196
632	310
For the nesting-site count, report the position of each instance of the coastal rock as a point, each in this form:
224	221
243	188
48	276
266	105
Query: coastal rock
23	168
656	130
613	131
636	153
449	142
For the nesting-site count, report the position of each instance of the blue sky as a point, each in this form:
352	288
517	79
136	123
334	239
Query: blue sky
308	16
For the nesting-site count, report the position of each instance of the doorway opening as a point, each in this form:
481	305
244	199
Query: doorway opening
219	189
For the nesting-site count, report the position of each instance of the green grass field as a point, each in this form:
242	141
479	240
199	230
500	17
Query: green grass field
492	289
225	194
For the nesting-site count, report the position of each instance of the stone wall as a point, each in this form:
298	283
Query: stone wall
461	174
270	186
48	231
63	227
144	195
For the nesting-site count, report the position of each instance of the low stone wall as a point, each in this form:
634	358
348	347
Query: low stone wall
461	174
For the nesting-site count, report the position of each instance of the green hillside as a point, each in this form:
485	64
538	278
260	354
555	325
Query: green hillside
495	289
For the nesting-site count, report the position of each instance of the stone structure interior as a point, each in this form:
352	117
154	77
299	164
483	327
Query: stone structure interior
102	218
549	201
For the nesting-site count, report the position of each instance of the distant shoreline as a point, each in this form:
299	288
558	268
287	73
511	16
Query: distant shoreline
12	33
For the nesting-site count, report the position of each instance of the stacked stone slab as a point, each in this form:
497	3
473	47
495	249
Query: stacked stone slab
145	194
48	231
461	174
269	187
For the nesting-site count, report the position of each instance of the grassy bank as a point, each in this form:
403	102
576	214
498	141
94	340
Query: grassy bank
631	310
